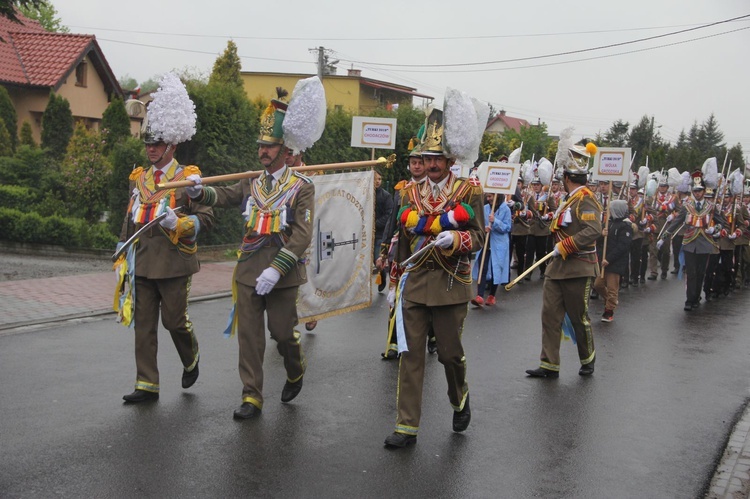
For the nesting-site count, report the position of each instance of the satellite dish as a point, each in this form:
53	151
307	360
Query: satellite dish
135	108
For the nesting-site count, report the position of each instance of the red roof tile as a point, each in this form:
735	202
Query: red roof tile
32	56
509	122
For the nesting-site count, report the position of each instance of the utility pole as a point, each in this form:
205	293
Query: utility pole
321	62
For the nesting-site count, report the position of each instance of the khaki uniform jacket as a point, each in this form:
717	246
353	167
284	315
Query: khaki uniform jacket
157	257
537	226
430	283
696	240
577	240
299	229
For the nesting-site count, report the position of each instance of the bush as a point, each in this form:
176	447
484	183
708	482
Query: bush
70	232
57	126
14	196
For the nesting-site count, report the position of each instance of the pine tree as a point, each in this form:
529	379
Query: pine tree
116	122
9	117
57	126
6	148
27	136
86	173
227	67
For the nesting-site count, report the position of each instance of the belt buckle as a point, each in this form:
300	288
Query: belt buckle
429	264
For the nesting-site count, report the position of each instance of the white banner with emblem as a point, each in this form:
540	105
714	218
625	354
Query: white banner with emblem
339	259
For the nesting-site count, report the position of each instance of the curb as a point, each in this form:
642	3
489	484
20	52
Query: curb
11	328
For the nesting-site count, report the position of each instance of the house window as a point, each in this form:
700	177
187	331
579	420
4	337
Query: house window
81	75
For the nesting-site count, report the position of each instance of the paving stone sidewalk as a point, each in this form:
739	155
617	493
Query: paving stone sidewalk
37	301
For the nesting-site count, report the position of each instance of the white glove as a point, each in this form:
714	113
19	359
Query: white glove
392	297
555	251
444	239
710	230
670	218
647	230
170	221
643	222
659	244
732	236
267	280
194	191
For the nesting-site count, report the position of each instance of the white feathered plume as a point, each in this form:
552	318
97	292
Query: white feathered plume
562	158
642	176
171	115
463	132
515	156
710	171
544	170
685	182
305	117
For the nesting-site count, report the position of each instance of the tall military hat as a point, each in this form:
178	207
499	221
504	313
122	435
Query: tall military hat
697	183
573	158
432	142
415	143
272	119
170	117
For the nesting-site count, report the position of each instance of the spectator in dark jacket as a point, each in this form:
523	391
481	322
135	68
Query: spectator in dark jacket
619	233
383	209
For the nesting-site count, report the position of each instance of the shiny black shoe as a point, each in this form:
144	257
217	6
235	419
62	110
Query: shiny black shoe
542	373
634	283
643	280
246	411
189	378
462	418
390	355
663	275
400	440
140	396
652	277
587	370
291	390
432	346
688	307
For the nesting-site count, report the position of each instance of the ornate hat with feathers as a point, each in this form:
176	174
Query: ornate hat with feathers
171	115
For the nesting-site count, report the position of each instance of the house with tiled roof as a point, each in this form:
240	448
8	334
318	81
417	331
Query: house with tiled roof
35	62
502	122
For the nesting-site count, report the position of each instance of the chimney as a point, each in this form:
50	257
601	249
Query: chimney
354	72
502	112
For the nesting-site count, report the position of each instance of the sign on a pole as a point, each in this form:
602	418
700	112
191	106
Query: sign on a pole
374	133
460	170
612	163
499	178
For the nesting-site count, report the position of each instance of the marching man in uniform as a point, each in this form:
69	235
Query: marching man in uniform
278	209
435	288
156	274
568	279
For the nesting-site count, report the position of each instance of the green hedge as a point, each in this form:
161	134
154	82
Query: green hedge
15	196
70	232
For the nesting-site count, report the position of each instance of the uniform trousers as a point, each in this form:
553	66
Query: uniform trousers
695	271
561	296
741	258
709	278
536	246
519	244
658	258
171	296
280	305
636	249
448	323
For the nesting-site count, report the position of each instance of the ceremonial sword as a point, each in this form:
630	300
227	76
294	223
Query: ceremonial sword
140	231
417	254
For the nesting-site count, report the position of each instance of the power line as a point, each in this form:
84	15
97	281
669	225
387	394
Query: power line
571	61
379	39
558	54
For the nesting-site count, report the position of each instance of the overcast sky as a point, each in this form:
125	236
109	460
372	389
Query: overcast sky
679	79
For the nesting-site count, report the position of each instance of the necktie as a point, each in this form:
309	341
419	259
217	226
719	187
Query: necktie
157	176
698	206
435	191
269	183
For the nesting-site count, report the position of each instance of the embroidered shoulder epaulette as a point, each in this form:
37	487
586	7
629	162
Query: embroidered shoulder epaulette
302	176
400	185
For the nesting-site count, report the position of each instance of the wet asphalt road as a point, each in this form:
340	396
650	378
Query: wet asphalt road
651	422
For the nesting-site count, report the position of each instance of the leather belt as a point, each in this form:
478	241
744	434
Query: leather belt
430	265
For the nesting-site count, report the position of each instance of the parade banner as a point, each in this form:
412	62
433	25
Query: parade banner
611	163
460	170
374	133
498	178
339	258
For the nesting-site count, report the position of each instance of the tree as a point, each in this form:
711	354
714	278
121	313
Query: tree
86	172
338	131
617	135
9	117
6	148
27	136
116	122
409	120
57	126
45	13
124	156
127	82
710	138
227	67
9	8
647	142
